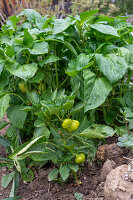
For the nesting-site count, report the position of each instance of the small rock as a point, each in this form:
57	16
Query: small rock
130	171
107	167
111	152
116	186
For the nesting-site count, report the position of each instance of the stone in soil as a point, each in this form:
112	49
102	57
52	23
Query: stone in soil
118	185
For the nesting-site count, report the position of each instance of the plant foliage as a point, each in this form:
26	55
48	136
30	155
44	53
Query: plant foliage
53	69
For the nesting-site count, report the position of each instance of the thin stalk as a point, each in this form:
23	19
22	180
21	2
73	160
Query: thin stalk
129	77
19	97
75	176
104	111
56	70
63	82
56	73
121	88
53	80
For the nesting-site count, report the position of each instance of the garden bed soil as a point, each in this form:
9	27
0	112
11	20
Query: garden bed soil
91	185
41	189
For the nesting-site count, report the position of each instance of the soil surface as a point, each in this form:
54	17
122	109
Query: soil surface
91	185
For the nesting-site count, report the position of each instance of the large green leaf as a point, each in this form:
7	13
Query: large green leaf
70	47
37	78
86	15
42	154
53	174
96	89
61	24
28	39
30	14
105	29
77	85
127	54
39	48
73	167
15	185
4	104
42	131
4	142
49	59
64	172
128	97
4	79
7	179
67	44
25	72
33	97
16	117
21	151
3	124
78	64
113	67
98	131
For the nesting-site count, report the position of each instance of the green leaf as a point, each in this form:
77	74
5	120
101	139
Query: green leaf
128	97
77	85
4	142
121	130
27	174
73	167
53	174
98	131
42	131
11	132
33	98
4	79
62	24
2	57
39	48
2	63
18	154
125	141
7	179
78	64
37	78
25	72
113	67
105	29
42	154
15	184
96	90
68	105
49	59
46	24
28	39
39	122
127	54
4	104
86	15
70	47
16	117
78	107
30	14
64	172
78	196
3	124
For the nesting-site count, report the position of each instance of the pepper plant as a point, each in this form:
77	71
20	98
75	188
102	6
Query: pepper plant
78	68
